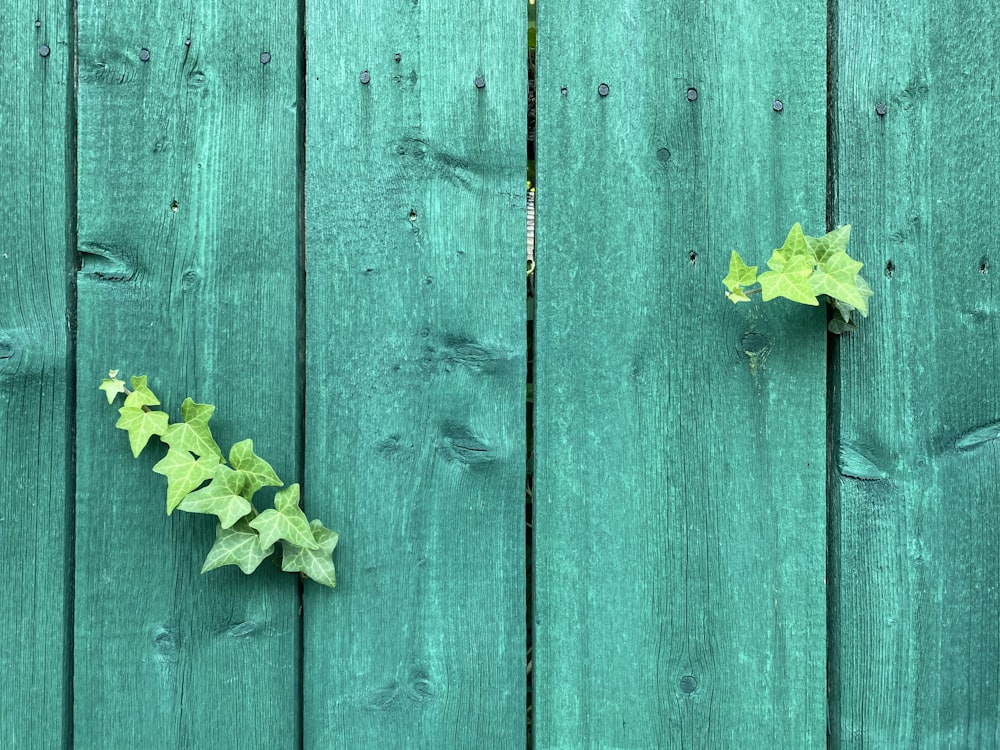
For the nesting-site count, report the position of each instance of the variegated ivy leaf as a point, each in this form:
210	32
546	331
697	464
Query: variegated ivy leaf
141	395
112	386
239	545
740	275
286	521
254	470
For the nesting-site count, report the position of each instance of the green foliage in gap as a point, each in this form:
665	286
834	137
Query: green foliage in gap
200	480
803	270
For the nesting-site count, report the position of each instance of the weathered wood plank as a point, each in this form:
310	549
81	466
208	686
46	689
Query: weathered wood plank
188	214
415	373
679	481
35	412
915	525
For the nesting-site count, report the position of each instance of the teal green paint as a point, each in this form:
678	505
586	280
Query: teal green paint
915	557
187	224
415	373
34	412
679	498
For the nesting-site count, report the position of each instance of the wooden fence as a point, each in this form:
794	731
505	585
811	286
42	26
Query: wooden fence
743	533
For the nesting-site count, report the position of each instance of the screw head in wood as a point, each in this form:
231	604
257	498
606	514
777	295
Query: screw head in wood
265	58
44	50
603	90
881	109
480	82
692	94
144	54
777	105
366	77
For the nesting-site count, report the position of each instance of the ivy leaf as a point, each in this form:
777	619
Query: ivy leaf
740	275
791	280
239	545
830	243
254	470
836	276
286	521
112	386
315	564
141	395
866	292
193	433
184	474
795	251
141	425
220	498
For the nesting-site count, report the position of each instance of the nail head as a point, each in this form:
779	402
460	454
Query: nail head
265	58
603	89
397	57
564	91
187	42
480	82
881	109
44	50
144	54
777	105
38	24
692	94
366	77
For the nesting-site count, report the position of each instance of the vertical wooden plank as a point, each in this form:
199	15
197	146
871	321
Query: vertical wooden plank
187	226
679	482
35	413
916	586
415	372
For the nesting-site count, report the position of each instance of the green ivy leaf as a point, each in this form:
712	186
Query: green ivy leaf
315	564
112	386
830	243
184	474
740	275
239	545
141	395
193	434
286	521
866	292
835	277
791	281
221	498
141	425
254	470
795	251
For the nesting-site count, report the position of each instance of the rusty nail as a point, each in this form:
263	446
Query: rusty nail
144	54
44	50
265	58
365	77
603	89
692	94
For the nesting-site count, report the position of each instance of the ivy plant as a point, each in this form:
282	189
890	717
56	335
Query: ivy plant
201	480
803	270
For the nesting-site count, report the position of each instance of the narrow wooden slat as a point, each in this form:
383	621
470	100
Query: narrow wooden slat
679	481
187	228
35	415
915	658
415	373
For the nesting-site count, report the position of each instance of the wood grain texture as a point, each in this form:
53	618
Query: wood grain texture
915	606
189	273
415	373
35	414
679	515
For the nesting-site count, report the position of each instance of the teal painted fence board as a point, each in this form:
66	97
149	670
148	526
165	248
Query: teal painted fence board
188	215
679	514
415	395
915	520
35	414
